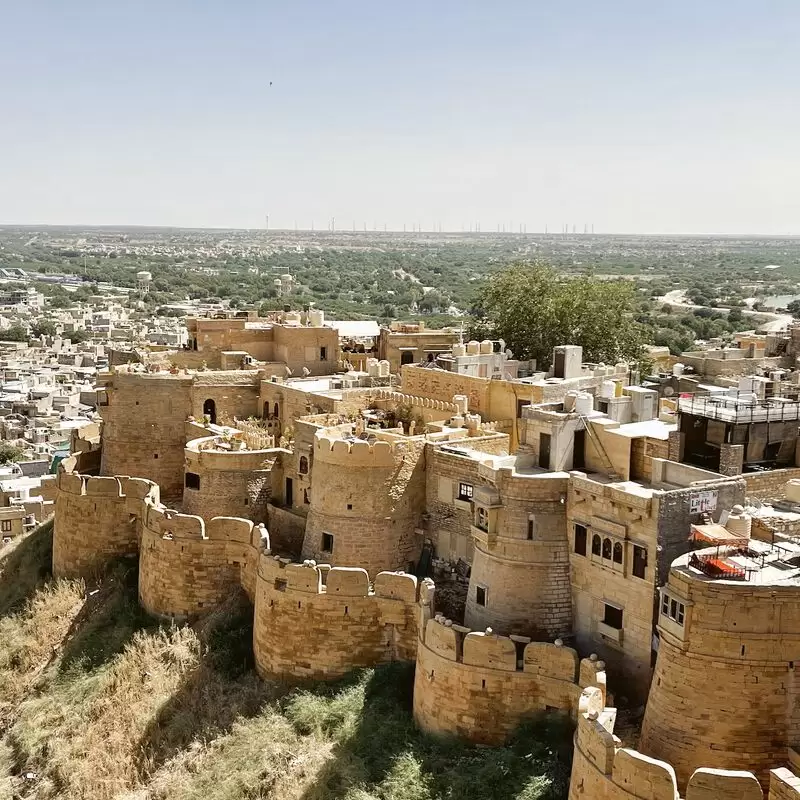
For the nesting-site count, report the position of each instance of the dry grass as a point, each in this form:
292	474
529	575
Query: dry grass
98	702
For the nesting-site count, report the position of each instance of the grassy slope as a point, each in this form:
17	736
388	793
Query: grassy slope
98	701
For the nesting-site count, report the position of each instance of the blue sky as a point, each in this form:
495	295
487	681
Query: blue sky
633	116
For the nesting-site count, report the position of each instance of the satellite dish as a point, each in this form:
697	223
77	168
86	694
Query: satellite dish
669	391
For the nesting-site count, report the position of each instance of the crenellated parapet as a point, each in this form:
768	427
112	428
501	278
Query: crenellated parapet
314	621
97	520
350	453
366	501
187	565
604	770
480	686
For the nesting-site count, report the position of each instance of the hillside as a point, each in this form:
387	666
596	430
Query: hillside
99	701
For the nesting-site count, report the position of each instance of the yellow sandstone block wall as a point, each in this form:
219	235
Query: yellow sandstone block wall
480	686
727	692
313	621
603	770
369	497
234	483
186	567
143	427
96	520
522	562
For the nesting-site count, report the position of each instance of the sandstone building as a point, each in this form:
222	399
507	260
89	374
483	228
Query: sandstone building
552	508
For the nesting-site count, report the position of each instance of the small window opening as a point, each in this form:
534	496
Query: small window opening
480	595
327	542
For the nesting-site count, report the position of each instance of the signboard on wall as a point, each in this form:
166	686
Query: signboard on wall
703	502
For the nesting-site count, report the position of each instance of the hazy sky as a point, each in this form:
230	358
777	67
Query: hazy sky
635	116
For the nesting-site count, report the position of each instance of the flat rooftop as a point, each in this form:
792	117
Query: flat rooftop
760	564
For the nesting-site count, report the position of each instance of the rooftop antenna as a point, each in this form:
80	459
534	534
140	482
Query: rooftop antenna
333	224
267	219
461	333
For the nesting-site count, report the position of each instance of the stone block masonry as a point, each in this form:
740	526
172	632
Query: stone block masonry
97	520
480	686
603	770
313	621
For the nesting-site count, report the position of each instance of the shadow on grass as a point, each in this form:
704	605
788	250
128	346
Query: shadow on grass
24	567
221	689
108	620
381	753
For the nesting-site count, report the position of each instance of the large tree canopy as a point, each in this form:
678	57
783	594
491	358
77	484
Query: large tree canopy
534	308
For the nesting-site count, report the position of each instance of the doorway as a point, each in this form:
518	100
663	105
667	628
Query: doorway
579	450
289	494
210	410
544	450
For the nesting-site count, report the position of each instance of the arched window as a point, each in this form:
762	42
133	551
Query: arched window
277	411
617	553
407	357
303	465
595	545
210	410
266	410
607	548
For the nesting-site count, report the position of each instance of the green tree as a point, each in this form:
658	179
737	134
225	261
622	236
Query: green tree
43	327
16	333
794	308
533	309
9	453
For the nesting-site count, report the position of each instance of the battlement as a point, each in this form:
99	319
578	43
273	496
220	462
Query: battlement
604	770
317	621
357	452
480	686
97	520
417	401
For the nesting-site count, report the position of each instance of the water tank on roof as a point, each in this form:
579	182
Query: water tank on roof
608	389
459	350
316	318
486	347
739	522
473	348
677	370
584	403
143	276
292	318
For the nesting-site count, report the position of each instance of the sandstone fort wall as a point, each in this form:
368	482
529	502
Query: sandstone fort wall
369	498
313	621
143	427
97	519
230	483
187	567
520	580
725	689
480	686
603	770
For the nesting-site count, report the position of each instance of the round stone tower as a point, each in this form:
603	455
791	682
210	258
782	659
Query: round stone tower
520	581
222	479
725	689
366	499
144	427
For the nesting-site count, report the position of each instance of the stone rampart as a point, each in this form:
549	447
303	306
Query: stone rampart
313	621
520	579
480	686
366	502
227	482
96	520
188	566
604	770
349	453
